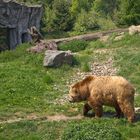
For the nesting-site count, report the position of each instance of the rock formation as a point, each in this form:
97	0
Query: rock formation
17	19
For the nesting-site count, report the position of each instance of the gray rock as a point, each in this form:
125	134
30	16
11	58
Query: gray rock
134	29
54	58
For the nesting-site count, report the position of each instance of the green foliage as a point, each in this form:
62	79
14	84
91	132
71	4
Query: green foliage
129	12
86	21
85	67
74	46
48	19
105	7
91	131
97	44
87	15
48	79
62	20
28	87
57	16
78	5
30	130
106	23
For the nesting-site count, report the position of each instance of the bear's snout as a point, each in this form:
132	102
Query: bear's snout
70	99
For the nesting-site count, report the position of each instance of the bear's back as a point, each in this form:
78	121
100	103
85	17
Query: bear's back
110	84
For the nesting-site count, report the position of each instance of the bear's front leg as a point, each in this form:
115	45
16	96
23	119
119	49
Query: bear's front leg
118	112
98	111
86	108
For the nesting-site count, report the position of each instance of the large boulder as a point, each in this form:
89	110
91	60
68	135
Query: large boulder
134	29
54	58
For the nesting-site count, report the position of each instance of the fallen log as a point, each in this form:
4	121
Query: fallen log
52	43
89	37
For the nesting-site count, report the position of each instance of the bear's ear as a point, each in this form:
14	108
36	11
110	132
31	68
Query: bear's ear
88	79
71	86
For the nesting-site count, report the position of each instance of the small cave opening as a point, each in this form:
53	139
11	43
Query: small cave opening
26	37
3	39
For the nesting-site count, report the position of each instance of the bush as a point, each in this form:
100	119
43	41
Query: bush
74	46
97	44
90	131
86	21
106	23
86	67
129	12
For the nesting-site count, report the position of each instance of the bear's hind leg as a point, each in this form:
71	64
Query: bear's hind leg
128	110
86	109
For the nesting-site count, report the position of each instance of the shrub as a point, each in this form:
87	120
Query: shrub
81	59
129	12
106	23
47	20
86	21
86	67
74	46
97	44
90	131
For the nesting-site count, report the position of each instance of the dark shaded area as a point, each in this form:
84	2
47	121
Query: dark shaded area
110	114
17	19
3	39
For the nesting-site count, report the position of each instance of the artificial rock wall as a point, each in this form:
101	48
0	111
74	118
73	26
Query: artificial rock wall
17	19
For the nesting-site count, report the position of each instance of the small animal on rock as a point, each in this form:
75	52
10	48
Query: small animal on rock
97	91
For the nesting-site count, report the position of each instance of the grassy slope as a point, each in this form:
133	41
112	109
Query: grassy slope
26	88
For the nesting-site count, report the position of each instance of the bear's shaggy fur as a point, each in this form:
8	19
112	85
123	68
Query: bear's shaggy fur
105	90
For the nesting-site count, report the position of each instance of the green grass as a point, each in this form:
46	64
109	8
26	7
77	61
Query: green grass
27	87
31	131
74	46
43	130
91	130
86	67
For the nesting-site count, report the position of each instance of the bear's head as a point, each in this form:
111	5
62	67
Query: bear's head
80	91
74	95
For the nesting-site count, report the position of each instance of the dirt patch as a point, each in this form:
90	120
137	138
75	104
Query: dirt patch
63	118
58	117
33	117
104	68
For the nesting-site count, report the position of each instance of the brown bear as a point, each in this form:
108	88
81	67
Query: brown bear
105	90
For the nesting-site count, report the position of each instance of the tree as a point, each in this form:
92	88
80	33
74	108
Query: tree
63	20
106	7
86	21
47	20
129	12
78	5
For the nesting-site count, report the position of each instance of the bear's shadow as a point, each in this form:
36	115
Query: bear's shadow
109	114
